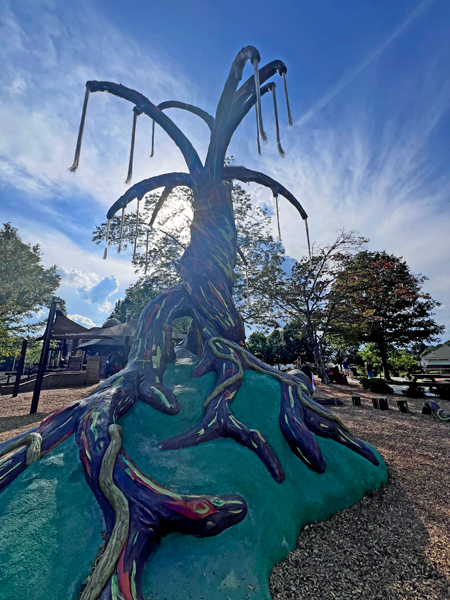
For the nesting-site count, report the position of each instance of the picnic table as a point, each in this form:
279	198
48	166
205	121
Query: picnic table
425	380
9	374
431	378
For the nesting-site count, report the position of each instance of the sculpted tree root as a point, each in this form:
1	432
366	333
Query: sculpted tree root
137	510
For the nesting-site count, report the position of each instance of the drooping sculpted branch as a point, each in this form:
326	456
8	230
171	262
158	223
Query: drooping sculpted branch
249	176
139	190
143	105
195	110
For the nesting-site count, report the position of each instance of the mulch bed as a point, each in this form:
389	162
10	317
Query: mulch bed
393	545
14	412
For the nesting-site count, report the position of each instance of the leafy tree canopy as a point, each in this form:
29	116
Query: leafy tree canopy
399	361
25	287
387	303
316	293
281	346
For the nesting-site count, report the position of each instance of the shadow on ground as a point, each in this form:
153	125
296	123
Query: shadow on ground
12	423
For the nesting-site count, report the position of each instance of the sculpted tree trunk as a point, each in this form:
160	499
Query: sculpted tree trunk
137	510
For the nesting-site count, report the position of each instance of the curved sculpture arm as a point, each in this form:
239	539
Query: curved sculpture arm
247	175
139	190
234	123
239	105
144	105
214	160
232	82
246	97
209	120
166	192
265	73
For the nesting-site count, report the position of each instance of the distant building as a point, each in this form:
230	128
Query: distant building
439	358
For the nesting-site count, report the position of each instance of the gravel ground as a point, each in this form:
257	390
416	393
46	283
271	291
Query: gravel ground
393	545
14	412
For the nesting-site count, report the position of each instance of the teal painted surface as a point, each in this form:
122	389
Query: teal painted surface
50	523
236	564
50	529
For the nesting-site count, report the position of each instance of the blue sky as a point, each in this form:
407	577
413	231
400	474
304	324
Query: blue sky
369	85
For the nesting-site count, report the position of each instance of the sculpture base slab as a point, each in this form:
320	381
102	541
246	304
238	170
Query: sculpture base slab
50	524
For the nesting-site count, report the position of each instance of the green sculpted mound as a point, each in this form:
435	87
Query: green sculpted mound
50	523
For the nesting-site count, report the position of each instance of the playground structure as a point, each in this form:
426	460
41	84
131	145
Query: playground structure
137	510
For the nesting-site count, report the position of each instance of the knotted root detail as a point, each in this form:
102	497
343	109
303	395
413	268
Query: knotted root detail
119	503
33	441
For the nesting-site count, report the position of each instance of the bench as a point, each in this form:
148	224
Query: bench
418	376
426	383
8	375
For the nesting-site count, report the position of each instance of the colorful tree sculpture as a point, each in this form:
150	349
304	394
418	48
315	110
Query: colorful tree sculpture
138	511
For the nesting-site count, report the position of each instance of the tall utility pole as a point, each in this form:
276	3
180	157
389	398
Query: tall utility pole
44	355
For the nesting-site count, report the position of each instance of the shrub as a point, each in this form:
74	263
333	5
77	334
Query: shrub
414	391
442	392
379	386
365	382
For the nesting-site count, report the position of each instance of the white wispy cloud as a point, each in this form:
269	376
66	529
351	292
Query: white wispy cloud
348	172
45	62
368	60
98	294
77	278
381	183
44	70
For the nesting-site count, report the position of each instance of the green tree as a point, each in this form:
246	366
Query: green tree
25	287
157	251
257	344
281	346
137	297
316	293
370	354
275	350
401	361
388	304
296	343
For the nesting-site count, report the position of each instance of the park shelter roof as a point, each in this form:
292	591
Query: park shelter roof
102	342
122	330
66	329
438	355
63	327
